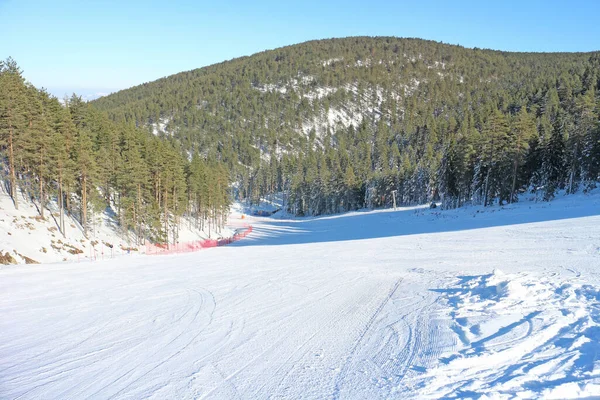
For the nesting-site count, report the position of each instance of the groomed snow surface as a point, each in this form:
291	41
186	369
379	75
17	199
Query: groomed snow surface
414	303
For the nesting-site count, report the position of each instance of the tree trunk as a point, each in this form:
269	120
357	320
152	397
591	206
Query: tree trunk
61	218
485	190
11	166
572	174
176	225
157	190
514	180
487	177
42	197
190	211
515	168
41	186
166	218
68	201
138	222
84	204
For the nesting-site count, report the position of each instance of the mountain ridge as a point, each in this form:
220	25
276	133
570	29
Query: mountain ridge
242	57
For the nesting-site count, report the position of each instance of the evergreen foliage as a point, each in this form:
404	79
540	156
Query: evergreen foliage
335	124
74	154
428	120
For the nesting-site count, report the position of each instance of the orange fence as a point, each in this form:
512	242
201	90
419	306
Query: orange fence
186	247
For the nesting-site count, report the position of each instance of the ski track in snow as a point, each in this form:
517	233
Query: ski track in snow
506	306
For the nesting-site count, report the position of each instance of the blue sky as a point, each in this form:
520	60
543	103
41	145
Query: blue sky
90	46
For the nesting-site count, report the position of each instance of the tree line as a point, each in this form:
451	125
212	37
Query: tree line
484	159
73	156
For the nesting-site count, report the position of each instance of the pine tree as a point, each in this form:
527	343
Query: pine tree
587	124
37	140
60	149
132	178
522	132
553	158
496	140
12	116
86	168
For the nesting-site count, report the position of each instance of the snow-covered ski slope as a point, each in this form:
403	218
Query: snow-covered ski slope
415	303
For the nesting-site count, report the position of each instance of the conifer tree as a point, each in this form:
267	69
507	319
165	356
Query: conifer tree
37	140
523	130
86	169
12	117
496	139
553	158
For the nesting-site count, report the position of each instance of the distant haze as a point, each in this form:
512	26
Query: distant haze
86	94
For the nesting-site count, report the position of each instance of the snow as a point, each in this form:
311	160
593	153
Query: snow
498	302
367	103
412	87
269	87
332	60
319	93
437	64
160	126
24	233
292	85
271	204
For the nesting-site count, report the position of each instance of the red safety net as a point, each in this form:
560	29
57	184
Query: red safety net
186	247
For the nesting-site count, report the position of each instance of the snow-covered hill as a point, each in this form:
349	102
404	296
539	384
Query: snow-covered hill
413	303
27	238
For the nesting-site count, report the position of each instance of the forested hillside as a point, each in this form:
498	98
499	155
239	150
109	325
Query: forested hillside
73	155
339	124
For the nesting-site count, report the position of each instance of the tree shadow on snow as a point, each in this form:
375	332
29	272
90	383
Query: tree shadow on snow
413	221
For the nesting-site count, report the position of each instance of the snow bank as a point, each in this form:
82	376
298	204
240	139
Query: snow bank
28	238
24	233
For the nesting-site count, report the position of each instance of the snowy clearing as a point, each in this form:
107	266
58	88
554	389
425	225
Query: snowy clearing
414	303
